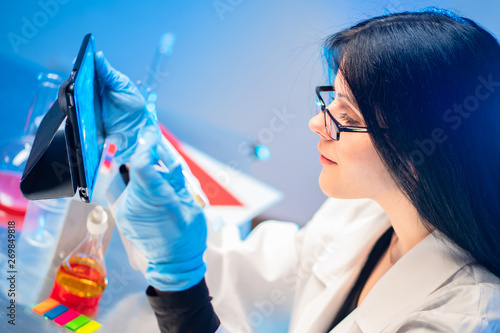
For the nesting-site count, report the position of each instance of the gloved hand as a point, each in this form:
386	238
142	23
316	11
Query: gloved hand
162	219
124	109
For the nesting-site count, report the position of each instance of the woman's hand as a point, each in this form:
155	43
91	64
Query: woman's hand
162	219
124	109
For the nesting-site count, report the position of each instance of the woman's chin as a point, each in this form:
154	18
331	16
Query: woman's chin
328	185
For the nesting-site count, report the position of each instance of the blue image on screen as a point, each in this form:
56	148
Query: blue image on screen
88	118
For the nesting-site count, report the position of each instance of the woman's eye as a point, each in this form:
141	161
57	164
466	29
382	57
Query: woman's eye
348	120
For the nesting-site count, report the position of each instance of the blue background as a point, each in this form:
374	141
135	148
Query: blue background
231	71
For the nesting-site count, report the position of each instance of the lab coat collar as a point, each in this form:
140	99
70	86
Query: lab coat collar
414	276
349	247
340	264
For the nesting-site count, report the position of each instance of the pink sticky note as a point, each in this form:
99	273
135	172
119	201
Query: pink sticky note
66	317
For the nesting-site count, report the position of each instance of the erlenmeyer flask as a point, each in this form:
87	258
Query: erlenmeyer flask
82	278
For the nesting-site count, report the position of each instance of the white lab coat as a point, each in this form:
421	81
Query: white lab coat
281	279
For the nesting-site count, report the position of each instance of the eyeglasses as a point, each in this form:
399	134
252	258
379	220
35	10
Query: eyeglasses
335	127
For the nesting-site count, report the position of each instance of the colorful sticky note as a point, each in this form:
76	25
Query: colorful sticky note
60	309
45	306
66	317
77	322
89	328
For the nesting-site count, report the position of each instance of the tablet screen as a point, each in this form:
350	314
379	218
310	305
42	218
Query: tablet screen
88	112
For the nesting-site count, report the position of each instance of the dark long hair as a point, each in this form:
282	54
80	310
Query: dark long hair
433	79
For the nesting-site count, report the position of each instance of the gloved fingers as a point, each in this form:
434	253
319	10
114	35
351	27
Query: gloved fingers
124	110
169	155
113	81
144	154
105	72
108	76
145	174
176	179
173	161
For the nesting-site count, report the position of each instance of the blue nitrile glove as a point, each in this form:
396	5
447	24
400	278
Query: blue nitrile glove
162	219
124	109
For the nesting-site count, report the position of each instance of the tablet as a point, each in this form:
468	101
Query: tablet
64	162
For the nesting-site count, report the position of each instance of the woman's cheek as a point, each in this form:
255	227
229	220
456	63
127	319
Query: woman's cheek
361	165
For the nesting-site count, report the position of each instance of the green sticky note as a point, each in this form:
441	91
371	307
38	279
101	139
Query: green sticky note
77	322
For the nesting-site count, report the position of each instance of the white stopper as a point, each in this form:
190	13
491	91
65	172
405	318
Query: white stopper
97	221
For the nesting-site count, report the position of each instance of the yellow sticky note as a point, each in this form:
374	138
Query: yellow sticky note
45	306
89	327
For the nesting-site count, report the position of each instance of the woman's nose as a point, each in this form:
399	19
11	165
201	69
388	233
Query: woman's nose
317	125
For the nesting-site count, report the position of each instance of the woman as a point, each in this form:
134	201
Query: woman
409	146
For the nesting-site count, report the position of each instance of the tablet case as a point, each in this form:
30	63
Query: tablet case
48	174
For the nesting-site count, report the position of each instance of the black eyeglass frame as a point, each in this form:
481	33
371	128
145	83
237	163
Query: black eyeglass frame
339	127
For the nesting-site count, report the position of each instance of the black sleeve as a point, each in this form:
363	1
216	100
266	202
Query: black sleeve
184	311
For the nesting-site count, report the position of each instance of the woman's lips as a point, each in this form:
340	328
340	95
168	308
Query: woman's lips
324	160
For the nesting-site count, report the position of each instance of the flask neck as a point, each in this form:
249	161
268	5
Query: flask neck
91	247
95	238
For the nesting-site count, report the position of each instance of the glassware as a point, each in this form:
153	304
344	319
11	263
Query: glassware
36	245
15	152
43	221
148	88
82	278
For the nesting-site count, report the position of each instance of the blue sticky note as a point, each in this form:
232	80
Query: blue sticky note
55	312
